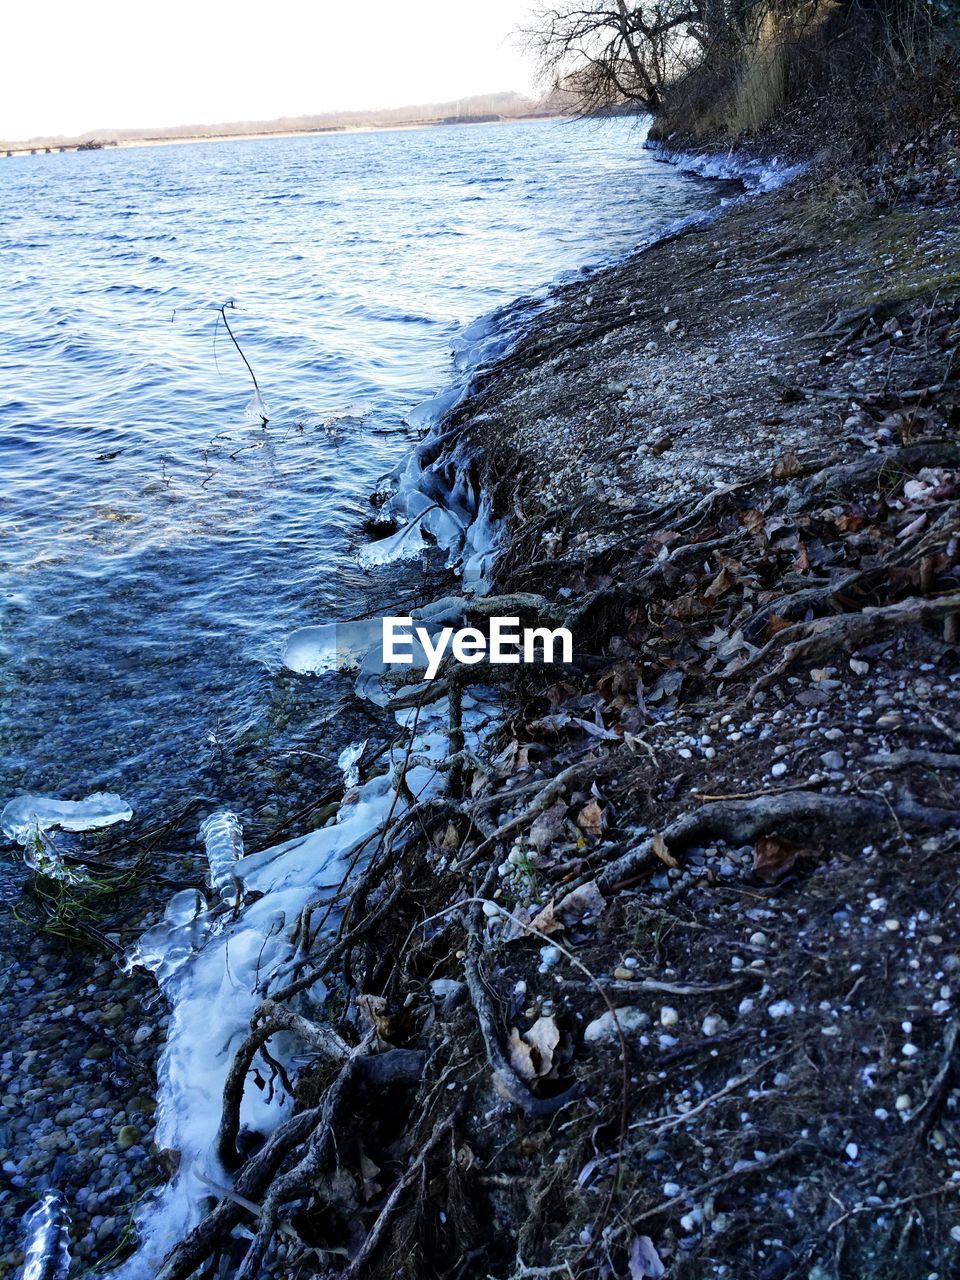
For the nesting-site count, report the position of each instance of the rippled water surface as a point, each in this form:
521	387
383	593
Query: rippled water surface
155	547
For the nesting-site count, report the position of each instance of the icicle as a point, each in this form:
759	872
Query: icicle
349	763
46	1244
222	836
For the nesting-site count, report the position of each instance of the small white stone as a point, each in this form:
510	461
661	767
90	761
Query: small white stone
903	1102
778	770
758	939
711	1025
671	1189
909	1050
746	1006
781	1009
852	1150
668	1016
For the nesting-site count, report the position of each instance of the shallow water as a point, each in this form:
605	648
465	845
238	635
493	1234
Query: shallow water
155	547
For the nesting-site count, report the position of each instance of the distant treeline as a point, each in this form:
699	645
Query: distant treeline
477	109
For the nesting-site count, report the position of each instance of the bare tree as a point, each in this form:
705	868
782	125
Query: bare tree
609	52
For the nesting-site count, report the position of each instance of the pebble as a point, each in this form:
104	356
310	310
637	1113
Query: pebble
781	1009
832	760
604	1028
668	1016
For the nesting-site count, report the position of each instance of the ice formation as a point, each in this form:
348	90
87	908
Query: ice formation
46	1243
222	837
215	977
29	820
349	763
26	815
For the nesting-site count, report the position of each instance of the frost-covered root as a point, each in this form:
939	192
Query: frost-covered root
46	1244
222	837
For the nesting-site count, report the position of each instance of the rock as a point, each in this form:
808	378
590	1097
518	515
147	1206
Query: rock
604	1028
832	760
127	1137
668	1016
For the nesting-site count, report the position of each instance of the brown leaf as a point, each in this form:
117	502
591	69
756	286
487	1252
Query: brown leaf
687	608
531	1055
659	847
543	1038
590	819
584	901
774	857
521	1056
546	921
548	826
721	584
786	466
777	623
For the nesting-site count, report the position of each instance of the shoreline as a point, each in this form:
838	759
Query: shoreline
720	462
57	148
625	414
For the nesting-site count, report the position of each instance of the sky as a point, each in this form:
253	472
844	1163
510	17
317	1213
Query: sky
71	68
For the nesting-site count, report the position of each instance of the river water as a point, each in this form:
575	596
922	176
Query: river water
155	545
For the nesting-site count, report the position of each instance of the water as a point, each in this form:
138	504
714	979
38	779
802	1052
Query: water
155	547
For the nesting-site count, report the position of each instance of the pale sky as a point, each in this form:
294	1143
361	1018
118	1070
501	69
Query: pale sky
70	67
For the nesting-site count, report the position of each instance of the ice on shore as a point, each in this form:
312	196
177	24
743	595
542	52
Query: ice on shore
170	943
222	837
348	762
46	1242
331	646
24	816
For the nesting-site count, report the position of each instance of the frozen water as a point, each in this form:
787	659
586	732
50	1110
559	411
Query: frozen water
26	815
349	762
46	1243
331	646
222	837
164	948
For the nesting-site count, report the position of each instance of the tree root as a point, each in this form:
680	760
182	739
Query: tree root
803	814
814	640
266	1022
505	1080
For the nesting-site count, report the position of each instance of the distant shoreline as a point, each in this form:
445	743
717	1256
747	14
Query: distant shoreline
169	140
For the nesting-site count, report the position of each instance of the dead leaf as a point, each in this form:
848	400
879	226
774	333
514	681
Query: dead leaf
645	1262
531	1055
590	819
548	827
587	900
543	1038
658	847
774	857
545	921
786	466
521	1056
721	584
